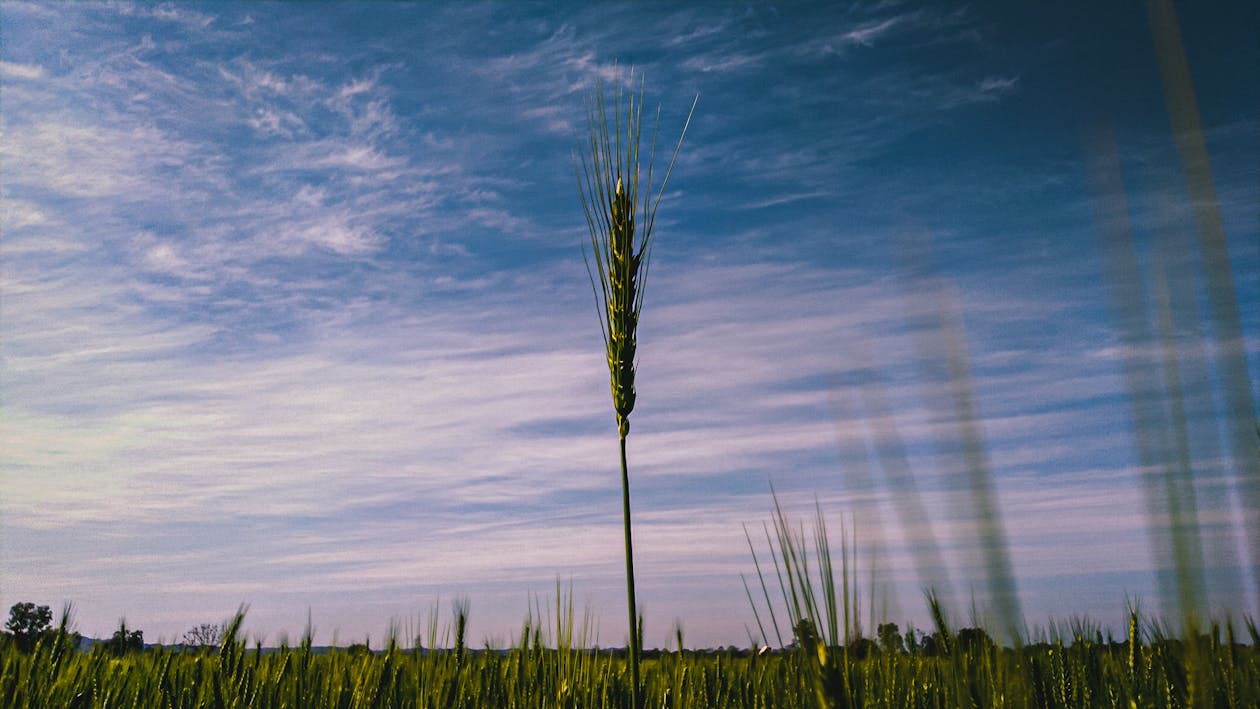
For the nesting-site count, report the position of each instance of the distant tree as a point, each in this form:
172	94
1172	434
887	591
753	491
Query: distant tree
890	637
861	648
806	634
974	640
27	622
125	641
204	635
931	645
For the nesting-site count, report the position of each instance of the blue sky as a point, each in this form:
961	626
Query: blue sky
293	311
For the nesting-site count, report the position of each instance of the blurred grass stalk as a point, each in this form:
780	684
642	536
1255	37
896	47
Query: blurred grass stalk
867	516
892	464
992	532
959	435
621	236
1230	357
1150	322
1168	375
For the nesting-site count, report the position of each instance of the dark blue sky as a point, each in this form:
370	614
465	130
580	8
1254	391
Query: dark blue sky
293	310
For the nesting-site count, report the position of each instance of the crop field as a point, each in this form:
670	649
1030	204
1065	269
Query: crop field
1077	667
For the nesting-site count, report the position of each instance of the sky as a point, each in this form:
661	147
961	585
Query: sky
294	313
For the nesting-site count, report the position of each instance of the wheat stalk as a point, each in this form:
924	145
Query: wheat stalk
609	185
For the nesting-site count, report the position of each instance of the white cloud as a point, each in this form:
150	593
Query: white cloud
256	83
358	157
21	71
17	214
555	118
336	234
356	87
273	121
722	62
705	29
169	12
310	196
782	199
499	219
84	160
999	85
867	34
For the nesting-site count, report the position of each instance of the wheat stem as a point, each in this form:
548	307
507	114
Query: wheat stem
607	170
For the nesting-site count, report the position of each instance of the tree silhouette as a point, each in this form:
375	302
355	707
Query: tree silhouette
125	641
27	622
204	635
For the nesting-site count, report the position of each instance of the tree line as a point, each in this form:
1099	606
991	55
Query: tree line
29	623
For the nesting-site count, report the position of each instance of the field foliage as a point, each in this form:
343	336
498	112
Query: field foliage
1072	667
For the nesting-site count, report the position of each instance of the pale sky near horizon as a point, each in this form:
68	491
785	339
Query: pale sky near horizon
293	311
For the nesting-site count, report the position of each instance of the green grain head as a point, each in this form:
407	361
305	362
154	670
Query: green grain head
620	217
623	313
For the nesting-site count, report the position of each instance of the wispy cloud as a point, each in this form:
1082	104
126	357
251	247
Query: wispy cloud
998	85
83	160
17	214
21	71
168	12
867	34
705	29
785	199
276	122
722	63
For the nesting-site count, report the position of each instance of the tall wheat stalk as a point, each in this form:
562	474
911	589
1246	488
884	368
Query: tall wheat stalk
621	233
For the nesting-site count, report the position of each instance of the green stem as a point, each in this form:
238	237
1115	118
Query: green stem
634	631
